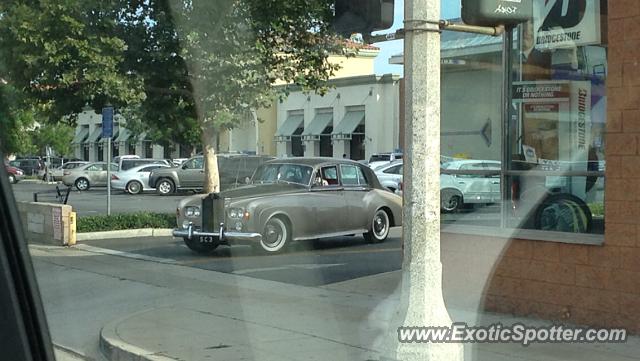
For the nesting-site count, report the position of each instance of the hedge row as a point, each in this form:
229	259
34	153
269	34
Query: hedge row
116	222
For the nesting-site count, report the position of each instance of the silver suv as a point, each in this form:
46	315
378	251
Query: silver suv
233	169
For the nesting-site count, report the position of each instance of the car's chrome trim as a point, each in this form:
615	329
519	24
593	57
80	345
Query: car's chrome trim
191	233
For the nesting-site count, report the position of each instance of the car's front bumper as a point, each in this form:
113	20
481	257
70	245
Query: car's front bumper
222	236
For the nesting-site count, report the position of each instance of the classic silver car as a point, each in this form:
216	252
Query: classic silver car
292	199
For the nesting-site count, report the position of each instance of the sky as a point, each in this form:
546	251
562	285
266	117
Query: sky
450	9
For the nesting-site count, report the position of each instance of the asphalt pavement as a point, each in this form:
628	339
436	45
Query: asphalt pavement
94	201
314	263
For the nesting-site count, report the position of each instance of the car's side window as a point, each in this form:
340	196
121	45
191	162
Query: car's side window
148	169
349	175
329	175
394	170
195	163
94	168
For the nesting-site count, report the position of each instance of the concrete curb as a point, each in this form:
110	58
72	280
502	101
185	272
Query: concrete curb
127	233
115	348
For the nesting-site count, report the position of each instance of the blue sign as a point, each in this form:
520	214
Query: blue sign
107	122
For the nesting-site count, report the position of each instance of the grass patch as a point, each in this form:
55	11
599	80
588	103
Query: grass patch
123	221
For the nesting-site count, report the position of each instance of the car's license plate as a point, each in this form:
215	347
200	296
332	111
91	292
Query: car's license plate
206	239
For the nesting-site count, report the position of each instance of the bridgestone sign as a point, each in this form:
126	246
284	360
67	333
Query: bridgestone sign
566	23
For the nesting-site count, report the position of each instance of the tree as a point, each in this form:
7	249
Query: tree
61	55
213	61
15	121
58	136
174	62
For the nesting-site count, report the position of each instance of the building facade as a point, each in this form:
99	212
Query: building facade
89	145
562	240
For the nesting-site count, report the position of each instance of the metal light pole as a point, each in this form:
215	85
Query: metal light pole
422	302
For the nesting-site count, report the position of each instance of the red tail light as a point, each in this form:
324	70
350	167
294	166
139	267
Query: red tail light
114	177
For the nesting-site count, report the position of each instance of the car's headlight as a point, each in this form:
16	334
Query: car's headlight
192	211
19	172
238	213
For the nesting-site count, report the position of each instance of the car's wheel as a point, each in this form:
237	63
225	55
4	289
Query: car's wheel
82	184
134	187
165	186
276	235
563	212
450	202
202	248
379	227
12	179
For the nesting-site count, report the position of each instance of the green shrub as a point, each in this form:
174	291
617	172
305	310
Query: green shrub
116	222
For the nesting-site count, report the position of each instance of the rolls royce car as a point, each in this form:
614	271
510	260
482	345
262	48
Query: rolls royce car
293	199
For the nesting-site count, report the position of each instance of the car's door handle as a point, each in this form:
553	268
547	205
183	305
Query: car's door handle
496	182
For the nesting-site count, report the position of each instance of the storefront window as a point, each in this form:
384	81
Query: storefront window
553	149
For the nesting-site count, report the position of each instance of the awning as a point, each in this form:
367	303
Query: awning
123	135
289	126
348	124
318	125
94	136
80	137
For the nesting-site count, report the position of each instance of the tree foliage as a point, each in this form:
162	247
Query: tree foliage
171	64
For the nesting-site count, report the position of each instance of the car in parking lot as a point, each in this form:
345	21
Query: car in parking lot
135	180
30	166
390	175
481	186
15	174
58	173
378	159
87	176
293	199
232	168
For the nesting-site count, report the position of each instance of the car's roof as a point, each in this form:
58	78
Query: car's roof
388	165
138	167
313	161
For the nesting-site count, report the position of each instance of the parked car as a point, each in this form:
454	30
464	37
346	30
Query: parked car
58	173
135	180
30	166
87	176
379	159
233	169
292	199
459	189
128	163
15	174
390	175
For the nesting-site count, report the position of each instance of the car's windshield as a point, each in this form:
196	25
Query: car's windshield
289	173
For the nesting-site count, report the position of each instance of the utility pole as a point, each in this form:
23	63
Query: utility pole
422	302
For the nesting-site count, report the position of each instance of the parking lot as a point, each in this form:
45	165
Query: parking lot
94	201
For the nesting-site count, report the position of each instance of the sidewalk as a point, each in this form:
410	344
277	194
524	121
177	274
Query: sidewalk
264	320
149	309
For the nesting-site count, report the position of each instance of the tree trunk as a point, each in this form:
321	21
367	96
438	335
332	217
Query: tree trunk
209	145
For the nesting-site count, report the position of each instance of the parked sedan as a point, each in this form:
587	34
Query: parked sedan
58	173
87	176
292	199
459	189
135	180
390	175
